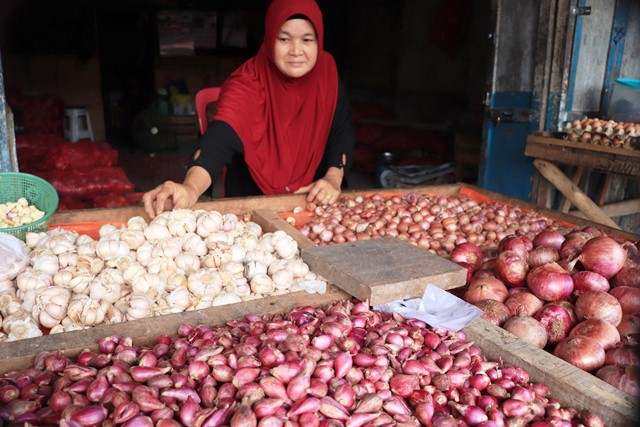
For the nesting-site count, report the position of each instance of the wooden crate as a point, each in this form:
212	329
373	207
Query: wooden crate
569	385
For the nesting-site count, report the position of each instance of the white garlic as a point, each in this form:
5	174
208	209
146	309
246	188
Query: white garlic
224	299
176	280
219	254
236	269
194	244
112	249
23	329
282	278
253	228
150	284
262	284
161	264
33	279
87	249
46	262
156	232
68	259
63	277
187	262
238	253
260	255
89	263
205	282
144	253
133	238
219	237
181	222
238	286
170	248
285	246
138	306
51	305
84	239
276	265
9	303
136	223
253	268
80	283
113	314
179	298
34	239
298	267
106	230
208	223
104	290
123	262
229	222
132	272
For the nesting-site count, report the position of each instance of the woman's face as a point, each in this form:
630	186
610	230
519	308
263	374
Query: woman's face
296	48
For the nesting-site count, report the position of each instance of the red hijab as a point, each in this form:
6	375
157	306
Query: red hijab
283	122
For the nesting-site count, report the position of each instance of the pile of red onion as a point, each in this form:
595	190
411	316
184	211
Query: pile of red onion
342	365
575	295
435	223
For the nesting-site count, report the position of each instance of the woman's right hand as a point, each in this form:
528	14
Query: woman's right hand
167	196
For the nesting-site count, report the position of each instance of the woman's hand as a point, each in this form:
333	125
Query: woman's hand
326	190
167	196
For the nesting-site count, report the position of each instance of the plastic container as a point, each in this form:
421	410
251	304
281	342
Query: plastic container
624	105
37	191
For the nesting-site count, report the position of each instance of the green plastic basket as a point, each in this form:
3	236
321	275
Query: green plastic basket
37	191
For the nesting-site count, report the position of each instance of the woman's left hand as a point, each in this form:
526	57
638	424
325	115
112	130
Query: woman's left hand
326	190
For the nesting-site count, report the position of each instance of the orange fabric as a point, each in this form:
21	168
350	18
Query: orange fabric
92	229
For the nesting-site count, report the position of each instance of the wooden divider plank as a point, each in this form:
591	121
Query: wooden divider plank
383	270
571	386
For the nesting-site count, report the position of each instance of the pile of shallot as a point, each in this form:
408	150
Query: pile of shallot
182	260
575	295
342	365
434	223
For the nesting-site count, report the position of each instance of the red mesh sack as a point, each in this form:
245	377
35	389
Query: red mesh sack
41	114
81	154
112	200
88	182
67	203
32	150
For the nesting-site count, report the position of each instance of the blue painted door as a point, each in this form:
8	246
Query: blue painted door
510	104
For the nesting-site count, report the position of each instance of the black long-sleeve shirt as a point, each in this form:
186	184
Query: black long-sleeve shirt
221	146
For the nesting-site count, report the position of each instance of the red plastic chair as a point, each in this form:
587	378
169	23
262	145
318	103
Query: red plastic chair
204	97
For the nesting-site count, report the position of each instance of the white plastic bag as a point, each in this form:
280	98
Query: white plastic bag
438	308
313	286
14	258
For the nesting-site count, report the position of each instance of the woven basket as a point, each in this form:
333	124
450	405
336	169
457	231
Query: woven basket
37	191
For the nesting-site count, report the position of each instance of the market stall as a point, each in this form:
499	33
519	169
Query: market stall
570	386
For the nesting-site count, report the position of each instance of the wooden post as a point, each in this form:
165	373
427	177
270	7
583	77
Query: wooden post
579	199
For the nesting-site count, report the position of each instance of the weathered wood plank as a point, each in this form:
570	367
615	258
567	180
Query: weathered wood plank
568	384
383	270
270	221
581	146
20	354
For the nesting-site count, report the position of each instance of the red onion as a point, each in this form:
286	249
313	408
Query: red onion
523	302
469	253
528	329
582	352
556	320
628	297
603	332
550	282
589	281
542	255
573	244
603	255
629	275
548	238
624	354
629	326
598	305
623	377
511	267
514	243
485	288
494	311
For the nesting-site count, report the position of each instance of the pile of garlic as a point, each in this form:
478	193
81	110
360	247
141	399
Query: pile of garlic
182	260
15	214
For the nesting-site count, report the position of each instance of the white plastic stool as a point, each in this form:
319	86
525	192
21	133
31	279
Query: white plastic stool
77	124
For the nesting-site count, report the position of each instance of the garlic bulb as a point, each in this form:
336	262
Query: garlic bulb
46	262
253	268
178	299
51	305
262	284
84	239
150	284
276	265
219	254
136	223
260	255
112	249
205	282
132	272
284	244
68	259
113	314
122	263
33	279
238	253
138	306
248	241
219	237
238	286
208	223
224	299
236	269
62	245
181	222
266	242
7	285
144	253
229	222
88	249
298	267
170	248
28	299
106	230
90	264
63	277
194	244
156	232
80	283
282	279
33	239
133	238
187	262
85	311
20	315
176	280
161	264
9	303
104	290
111	275
23	329
253	228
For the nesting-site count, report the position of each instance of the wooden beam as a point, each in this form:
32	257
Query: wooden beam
577	176
573	193
626	207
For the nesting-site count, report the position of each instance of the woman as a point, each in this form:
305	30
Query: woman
282	123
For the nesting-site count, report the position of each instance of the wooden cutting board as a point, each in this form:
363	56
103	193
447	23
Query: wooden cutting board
383	270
